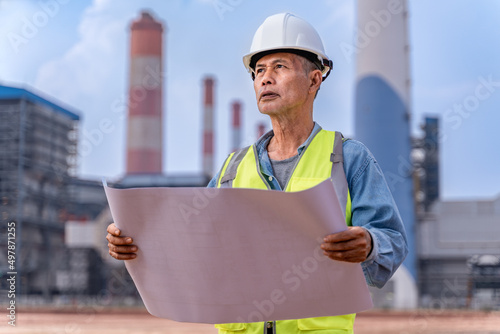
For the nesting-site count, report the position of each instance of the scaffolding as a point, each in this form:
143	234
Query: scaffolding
38	146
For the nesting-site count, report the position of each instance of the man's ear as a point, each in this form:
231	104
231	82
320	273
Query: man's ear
316	78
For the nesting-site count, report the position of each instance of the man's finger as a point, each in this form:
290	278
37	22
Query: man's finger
120	256
119	240
353	232
346	256
122	249
340	236
343	246
112	229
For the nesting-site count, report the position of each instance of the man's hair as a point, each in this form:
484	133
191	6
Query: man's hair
309	66
304	54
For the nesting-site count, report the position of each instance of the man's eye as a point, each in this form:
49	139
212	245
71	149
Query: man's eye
259	70
279	66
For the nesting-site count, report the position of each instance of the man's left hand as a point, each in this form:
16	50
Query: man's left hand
351	245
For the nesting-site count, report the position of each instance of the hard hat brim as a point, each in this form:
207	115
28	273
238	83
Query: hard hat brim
250	59
325	65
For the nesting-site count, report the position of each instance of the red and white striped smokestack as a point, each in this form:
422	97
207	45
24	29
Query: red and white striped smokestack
144	132
236	126
208	126
261	129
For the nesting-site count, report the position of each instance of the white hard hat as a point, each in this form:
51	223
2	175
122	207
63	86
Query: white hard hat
288	33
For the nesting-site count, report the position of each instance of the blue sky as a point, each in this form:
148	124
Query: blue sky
75	52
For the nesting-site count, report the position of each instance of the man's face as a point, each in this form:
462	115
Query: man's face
280	84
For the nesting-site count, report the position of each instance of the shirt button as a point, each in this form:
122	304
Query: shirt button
270	178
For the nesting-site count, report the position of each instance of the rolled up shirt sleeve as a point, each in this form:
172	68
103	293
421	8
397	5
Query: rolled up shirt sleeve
373	208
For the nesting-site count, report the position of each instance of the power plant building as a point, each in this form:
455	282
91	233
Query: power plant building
453	237
38	141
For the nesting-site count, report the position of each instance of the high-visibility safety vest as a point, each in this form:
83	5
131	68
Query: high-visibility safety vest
320	160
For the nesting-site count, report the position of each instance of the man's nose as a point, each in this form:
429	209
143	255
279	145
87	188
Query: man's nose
267	78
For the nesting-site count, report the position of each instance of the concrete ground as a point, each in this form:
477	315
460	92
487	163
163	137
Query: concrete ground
56	321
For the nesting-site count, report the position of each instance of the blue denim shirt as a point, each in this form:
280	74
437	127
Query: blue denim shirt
372	205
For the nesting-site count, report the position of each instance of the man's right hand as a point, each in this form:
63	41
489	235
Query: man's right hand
120	248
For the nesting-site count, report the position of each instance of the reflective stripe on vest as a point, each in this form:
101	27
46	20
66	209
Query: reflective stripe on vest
320	160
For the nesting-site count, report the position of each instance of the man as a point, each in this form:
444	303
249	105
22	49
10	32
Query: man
288	64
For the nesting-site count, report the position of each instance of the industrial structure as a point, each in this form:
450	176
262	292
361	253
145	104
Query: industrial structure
459	254
145	97
38	141
483	285
382	109
261	129
235	125
457	241
146	113
425	158
208	126
443	236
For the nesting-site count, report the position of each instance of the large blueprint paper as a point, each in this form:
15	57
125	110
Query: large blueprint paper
237	255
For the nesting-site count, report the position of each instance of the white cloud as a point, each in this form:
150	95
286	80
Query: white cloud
90	76
86	65
340	13
99	6
13	41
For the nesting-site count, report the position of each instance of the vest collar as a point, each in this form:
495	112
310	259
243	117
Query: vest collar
262	142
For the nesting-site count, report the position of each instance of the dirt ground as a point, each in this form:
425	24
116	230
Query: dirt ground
140	322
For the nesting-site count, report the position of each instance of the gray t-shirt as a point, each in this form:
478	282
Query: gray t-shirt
283	169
